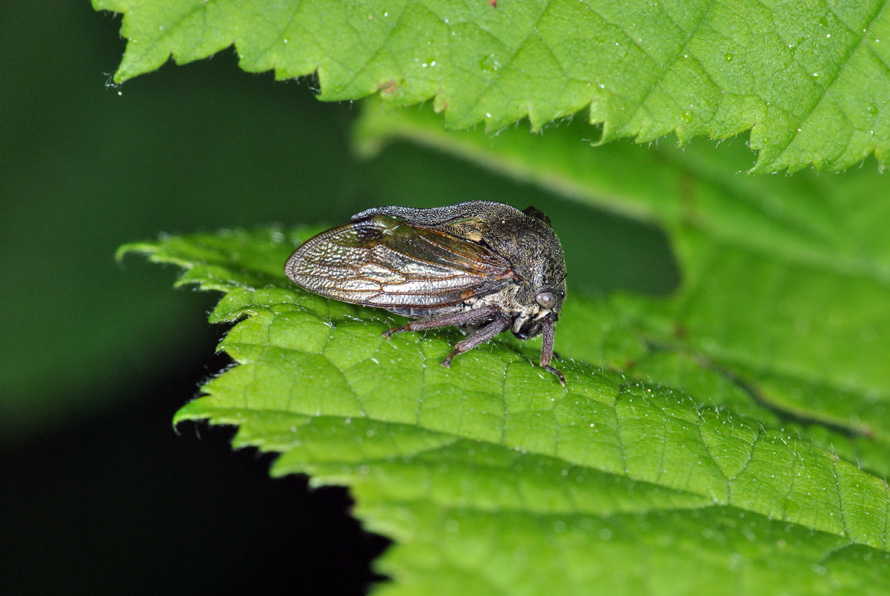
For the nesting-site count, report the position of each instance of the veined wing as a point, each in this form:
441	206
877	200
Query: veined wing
389	264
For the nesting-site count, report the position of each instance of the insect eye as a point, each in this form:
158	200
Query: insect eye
546	299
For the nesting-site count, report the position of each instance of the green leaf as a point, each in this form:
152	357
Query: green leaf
811	82
493	478
783	310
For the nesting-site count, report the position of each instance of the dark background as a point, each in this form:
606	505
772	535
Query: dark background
98	492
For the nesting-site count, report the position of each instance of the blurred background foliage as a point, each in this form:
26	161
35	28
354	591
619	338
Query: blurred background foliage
98	491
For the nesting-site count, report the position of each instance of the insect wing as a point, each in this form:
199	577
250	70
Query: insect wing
389	264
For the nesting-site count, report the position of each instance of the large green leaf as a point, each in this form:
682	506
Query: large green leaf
811	80
493	478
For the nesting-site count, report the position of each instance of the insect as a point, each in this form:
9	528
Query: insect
481	265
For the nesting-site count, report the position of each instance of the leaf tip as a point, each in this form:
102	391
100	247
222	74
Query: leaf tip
192	411
144	248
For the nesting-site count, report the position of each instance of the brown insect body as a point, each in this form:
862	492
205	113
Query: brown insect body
480	264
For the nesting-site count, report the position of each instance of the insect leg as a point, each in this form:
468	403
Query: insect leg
467	317
548	330
500	324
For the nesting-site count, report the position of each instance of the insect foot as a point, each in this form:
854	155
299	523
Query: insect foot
562	379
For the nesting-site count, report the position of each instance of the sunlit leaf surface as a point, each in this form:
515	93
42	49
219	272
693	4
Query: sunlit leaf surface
810	79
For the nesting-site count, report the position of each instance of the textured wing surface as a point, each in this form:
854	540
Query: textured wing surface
389	264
